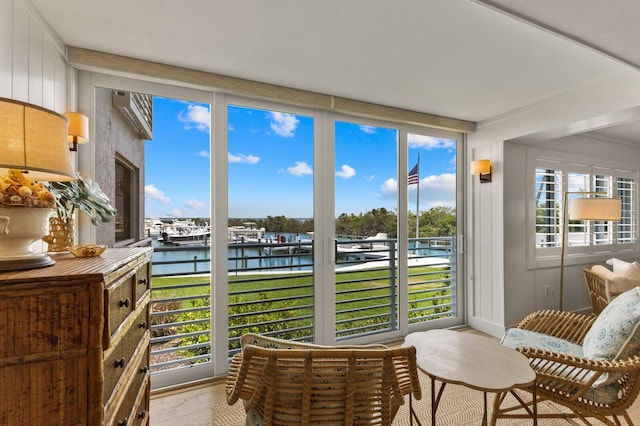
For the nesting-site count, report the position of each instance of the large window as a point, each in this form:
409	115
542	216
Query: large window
554	179
309	223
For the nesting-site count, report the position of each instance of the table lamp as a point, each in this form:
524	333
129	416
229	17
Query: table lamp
34	142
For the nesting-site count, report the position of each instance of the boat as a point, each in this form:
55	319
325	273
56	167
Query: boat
248	232
153	227
185	233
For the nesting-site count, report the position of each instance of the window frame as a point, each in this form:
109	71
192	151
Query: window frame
131	216
564	165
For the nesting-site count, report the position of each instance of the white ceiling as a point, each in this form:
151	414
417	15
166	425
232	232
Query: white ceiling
455	58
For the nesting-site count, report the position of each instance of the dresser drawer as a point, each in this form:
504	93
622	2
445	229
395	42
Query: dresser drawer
119	304
142	281
117	361
141	412
134	409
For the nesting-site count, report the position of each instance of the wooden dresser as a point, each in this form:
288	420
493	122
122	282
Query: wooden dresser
74	341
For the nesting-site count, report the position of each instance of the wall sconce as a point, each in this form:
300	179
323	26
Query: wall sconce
78	131
483	169
33	141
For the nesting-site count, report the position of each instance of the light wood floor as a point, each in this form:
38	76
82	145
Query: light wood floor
193	405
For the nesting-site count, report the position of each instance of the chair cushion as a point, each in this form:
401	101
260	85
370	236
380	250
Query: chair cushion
632	272
519	338
625	275
618	283
615	334
619	266
604	390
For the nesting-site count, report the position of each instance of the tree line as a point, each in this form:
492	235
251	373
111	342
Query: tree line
435	222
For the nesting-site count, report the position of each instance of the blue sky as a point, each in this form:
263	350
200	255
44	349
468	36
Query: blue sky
270	162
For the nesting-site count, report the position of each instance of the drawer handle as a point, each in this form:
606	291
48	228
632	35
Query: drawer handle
142	281
119	363
123	422
143	324
144	369
142	414
126	302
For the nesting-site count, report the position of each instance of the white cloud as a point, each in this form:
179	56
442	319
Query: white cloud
242	158
300	169
196	116
445	182
284	124
367	129
195	204
175	213
390	186
435	190
429	142
346	172
150	191
204	154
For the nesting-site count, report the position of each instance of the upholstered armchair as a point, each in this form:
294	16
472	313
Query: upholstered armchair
590	365
289	383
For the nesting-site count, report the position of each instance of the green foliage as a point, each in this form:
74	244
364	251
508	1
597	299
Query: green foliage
367	224
436	222
196	327
83	194
280	306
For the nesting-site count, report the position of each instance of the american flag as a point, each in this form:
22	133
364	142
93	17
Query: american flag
413	175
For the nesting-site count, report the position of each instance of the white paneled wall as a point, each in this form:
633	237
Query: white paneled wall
33	68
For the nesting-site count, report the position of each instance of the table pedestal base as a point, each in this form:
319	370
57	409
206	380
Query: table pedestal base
502	413
435	402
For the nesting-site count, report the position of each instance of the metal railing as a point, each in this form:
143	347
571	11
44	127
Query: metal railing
271	291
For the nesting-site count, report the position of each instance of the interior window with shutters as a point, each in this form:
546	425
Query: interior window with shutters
554	180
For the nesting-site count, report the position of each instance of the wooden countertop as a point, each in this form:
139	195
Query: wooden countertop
69	266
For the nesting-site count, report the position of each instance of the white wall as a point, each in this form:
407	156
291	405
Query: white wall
502	290
33	68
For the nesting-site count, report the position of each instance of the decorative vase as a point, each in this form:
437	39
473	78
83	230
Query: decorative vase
20	227
61	235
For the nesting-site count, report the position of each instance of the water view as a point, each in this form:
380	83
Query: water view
281	252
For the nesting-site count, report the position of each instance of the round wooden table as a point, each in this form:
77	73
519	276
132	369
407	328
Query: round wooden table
474	361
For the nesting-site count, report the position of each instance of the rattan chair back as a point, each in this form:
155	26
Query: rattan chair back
323	385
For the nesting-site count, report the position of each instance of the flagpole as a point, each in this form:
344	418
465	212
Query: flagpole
418	202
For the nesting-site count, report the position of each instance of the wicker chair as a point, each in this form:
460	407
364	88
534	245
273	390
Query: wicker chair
604	285
571	380
598	289
290	383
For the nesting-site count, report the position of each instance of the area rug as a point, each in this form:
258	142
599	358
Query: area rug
459	406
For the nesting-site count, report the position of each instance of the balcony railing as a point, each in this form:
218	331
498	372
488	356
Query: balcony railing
271	291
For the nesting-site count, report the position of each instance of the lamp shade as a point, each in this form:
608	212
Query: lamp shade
34	141
480	167
595	209
78	131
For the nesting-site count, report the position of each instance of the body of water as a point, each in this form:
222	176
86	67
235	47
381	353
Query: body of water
293	255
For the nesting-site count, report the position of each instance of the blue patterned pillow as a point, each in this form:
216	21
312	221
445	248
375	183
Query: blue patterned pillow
615	334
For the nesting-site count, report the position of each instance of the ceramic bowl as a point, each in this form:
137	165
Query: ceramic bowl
87	250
